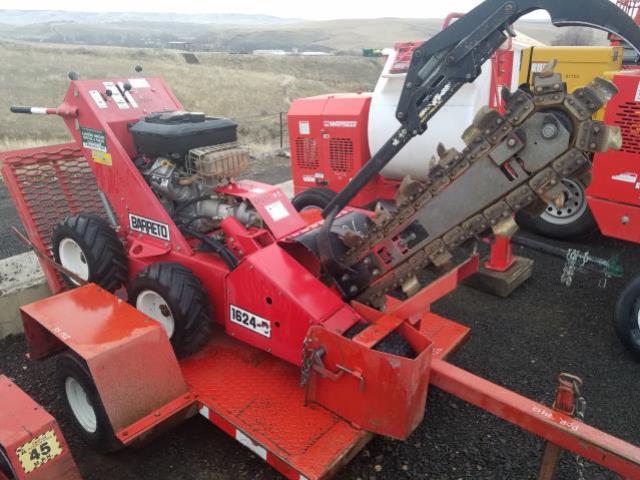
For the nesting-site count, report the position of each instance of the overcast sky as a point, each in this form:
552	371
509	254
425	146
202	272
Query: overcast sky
312	10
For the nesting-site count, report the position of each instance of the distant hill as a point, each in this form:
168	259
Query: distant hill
231	33
28	17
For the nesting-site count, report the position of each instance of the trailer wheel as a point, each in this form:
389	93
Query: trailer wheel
626	318
173	296
573	221
83	403
313	198
87	246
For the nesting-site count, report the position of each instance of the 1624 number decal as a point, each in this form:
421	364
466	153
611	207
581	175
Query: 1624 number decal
250	321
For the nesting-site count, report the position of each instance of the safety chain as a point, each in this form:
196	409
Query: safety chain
307	362
571	265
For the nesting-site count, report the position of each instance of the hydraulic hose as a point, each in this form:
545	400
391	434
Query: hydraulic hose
216	246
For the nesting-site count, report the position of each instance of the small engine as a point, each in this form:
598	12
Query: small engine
184	156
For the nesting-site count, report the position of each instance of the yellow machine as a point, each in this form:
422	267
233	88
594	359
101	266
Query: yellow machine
578	65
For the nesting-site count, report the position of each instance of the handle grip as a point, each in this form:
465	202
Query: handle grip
17	109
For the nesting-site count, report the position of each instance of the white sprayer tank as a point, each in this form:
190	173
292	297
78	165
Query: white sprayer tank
446	126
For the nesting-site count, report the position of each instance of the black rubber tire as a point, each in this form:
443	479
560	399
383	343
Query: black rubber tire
187	299
626	319
317	197
101	248
5	467
103	440
582	226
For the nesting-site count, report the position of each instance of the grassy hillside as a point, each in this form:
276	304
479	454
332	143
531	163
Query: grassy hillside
240	86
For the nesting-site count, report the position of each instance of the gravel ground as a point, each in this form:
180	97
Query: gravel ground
521	343
10	244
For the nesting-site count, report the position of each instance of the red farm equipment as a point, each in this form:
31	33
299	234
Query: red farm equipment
299	336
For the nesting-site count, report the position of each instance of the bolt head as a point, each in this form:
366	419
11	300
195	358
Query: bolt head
549	131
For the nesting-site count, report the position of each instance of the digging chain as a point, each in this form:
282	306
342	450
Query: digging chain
490	135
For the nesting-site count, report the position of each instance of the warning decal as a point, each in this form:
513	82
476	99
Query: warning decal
102	158
93	139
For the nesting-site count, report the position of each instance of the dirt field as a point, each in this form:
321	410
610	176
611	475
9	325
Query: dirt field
521	343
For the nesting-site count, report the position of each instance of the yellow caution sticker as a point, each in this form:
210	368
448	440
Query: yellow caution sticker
39	451
102	158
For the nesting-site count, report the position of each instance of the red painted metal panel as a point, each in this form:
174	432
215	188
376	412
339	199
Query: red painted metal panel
31	438
272	286
116	341
366	385
617	220
246	390
614	193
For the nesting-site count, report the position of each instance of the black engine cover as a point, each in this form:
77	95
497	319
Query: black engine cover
173	134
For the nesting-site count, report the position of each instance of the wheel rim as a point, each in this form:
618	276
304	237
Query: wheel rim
80	405
575	204
153	305
309	208
73	259
637	312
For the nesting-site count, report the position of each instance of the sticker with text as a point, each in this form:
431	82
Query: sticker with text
250	321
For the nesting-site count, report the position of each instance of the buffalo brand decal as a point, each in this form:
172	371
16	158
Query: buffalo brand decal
149	227
340	124
38	451
250	321
93	139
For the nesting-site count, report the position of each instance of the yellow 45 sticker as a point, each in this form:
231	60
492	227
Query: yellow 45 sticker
38	451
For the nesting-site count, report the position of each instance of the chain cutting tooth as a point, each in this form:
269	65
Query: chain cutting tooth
381	216
408	191
506	228
595	136
586	101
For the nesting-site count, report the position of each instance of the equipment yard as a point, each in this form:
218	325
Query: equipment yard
376	317
521	342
